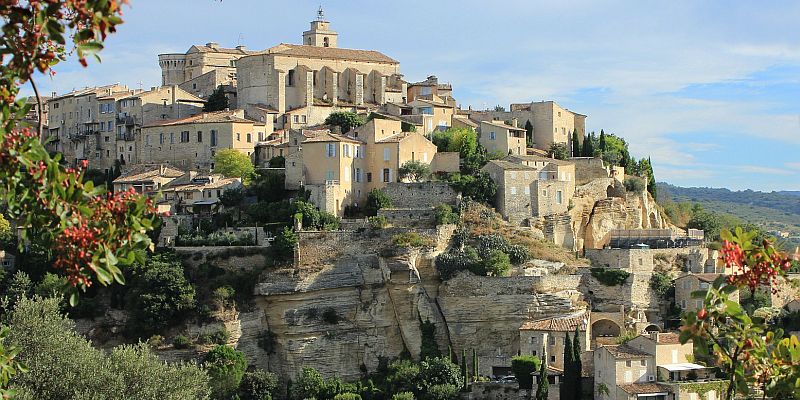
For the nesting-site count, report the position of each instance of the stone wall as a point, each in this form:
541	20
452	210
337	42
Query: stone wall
421	194
226	257
643	260
445	162
409	217
557	228
588	169
495	391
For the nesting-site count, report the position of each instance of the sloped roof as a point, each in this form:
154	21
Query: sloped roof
335	53
506	165
325	136
644	388
669	338
203	118
566	323
709	278
147	173
500	124
216	49
625	351
527	157
396	138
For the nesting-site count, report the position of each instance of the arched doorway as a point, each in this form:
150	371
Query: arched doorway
652	328
610	191
605	328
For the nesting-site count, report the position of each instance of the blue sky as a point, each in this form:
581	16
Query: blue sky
709	90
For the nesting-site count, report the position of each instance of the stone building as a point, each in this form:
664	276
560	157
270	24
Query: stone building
655	367
431	87
342	169
551	332
687	284
146	179
197	193
100	125
192	142
202	69
300	85
497	137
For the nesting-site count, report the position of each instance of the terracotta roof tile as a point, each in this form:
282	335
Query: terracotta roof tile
506	165
330	53
558	324
625	351
324	136
668	338
644	388
148	173
203	118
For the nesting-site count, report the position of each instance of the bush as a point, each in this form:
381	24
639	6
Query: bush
497	263
445	215
155	340
345	120
221	336
634	184
523	366
181	342
378	222
402	376
610	277
403	396
308	385
491	242
414	171
428	347
377	199
283	245
226	368
450	263
347	396
258	385
442	392
223	295
330	316
277	162
409	239
437	371
661	284
479	187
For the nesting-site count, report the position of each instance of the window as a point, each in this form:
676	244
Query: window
527	190
358	174
194	86
199	137
238	137
330	149
698	304
290	78
171	138
213	137
552	358
369	176
302	119
683	304
346	150
544	193
296	119
386	174
260	136
184	136
628	363
558	196
329	175
643	363
703	285
249	138
534	353
161	138
551	340
513	190
110	127
106	139
386	155
325	42
492	136
425	157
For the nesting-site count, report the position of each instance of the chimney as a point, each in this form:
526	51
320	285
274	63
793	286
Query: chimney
654	336
161	169
213	45
514	122
241	47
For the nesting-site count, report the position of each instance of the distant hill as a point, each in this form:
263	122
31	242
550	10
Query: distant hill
771	211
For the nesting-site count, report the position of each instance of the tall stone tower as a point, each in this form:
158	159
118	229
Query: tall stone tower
320	34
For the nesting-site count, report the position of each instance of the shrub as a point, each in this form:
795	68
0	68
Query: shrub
155	340
378	222
450	263
428	347
523	366
403	396
226	368
517	254
437	371
442	392
497	263
634	184
258	385
221	336
610	277
445	215
409	239
491	242
661	284
414	171
347	396
223	294
377	199
308	385
330	316
181	342
284	243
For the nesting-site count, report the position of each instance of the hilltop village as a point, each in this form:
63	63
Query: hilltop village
374	219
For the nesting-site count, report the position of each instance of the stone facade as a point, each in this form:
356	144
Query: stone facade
202	68
421	194
689	283
497	137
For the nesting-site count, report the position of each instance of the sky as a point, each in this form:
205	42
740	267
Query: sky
710	91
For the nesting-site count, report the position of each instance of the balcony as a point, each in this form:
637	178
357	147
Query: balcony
126	136
684	373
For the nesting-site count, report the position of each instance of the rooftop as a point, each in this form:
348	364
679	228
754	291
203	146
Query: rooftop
708	278
530	158
681	367
146	173
335	53
644	388
203	118
501	124
566	323
327	136
624	351
506	165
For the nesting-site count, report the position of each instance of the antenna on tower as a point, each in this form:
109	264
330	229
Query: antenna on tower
320	14
239	41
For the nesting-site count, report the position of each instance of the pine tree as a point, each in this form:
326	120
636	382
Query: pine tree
602	140
541	383
576	145
576	366
565	389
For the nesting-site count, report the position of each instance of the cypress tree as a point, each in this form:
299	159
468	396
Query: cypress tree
577	366
576	145
474	365
602	140
541	383
464	367
565	389
651	179
529	131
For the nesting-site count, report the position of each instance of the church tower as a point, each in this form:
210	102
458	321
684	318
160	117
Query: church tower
320	34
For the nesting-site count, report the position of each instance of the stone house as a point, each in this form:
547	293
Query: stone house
654	366
431	87
345	168
202	68
195	193
146	179
434	112
192	142
687	284
513	180
497	137
306	83
551	332
7	261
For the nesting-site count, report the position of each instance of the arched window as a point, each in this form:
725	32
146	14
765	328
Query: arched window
325	42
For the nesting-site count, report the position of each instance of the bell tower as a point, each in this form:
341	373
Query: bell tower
320	34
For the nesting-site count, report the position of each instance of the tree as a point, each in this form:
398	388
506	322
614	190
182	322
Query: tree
268	186
542	385
377	199
523	367
567	383
479	187
344	120
588	146
529	132
428	346
308	385
217	101
499	108
159	295
284	244
576	144
63	365
602	141
437	371
577	366
414	171
226	368
558	151
232	197
497	263
232	163
277	162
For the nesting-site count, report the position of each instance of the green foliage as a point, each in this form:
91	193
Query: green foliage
445	215
284	244
450	263
214	239
181	342
558	151
752	301
442	392
63	365
313	218
226	368
308	385
159	295
233	163
662	284
610	277
258	385
497	263
437	371
19	287
347	396
403	396
577	366
523	366
407	127
344	120
529	133
330	316
428	346
479	187
217	101
277	162
414	171
626	337
634	184
409	239
232	197
588	146
710	222
378	222
576	144
566	388
542	386
377	199
268	186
